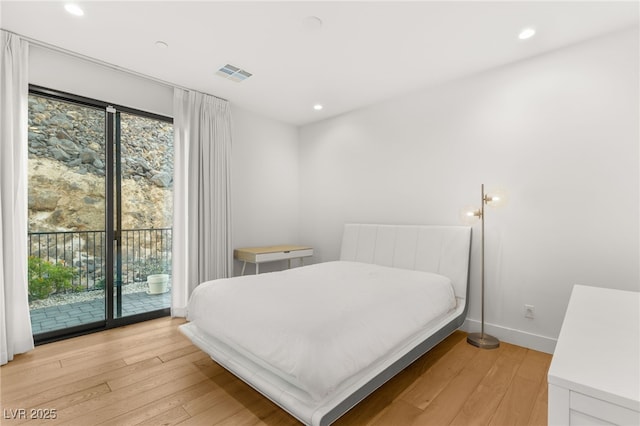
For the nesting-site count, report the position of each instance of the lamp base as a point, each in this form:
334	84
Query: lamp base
483	340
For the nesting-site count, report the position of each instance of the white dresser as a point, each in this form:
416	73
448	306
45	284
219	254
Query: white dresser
594	377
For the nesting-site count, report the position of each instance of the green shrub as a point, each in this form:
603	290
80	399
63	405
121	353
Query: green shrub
100	284
47	278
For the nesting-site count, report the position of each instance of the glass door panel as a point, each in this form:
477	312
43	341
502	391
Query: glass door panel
144	182
66	182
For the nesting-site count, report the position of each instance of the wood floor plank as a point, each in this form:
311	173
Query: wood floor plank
444	348
241	418
184	364
210	368
366	411
58	350
398	413
69	399
483	361
280	418
516	406
140	395
450	401
38	393
35	369
165	404
180	350
168	418
157	348
218	410
263	409
114	399
125	348
534	366
433	381
539	413
210	399
150	374
482	403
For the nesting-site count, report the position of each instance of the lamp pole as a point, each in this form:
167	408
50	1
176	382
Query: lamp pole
483	197
482	340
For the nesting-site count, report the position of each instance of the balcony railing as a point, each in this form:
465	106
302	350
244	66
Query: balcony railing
143	252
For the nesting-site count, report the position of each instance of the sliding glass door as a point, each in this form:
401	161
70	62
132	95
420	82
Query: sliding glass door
144	200
67	245
100	219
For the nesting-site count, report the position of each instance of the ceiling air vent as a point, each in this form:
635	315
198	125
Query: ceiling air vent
233	73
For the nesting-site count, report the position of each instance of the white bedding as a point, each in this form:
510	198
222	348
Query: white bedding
348	316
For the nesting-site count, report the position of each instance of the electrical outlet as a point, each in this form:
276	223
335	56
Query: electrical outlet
529	311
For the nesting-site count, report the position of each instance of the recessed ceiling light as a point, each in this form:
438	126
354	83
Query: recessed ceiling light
317	107
161	44
73	9
526	33
312	23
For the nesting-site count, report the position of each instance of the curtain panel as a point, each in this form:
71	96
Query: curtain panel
15	322
202	248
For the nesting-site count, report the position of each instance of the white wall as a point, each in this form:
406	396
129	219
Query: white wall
74	75
265	184
264	154
559	132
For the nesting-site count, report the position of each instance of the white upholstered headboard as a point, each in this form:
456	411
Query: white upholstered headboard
444	250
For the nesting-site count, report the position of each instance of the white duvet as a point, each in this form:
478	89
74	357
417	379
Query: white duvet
317	326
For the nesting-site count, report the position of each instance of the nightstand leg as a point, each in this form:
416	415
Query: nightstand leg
244	265
257	268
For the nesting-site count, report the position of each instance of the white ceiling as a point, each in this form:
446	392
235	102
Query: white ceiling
364	51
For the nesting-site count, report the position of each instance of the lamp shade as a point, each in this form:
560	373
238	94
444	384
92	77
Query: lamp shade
470	215
496	198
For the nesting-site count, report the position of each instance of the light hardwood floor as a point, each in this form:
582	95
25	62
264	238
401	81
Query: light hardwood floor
150	374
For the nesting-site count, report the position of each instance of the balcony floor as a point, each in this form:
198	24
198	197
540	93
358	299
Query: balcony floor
72	314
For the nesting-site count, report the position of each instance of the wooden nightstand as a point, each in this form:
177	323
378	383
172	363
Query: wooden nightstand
258	255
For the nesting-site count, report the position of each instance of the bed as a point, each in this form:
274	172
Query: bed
318	339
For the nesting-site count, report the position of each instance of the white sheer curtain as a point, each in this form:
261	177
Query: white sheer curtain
15	323
202	201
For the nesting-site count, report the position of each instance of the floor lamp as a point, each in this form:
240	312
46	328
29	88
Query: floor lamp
483	340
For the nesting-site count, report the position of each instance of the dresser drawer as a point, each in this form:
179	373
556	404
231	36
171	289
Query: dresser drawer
601	410
577	418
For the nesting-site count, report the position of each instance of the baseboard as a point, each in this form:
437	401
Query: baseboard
513	336
179	312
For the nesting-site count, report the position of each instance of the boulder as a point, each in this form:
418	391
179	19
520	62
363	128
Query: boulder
88	156
59	154
44	200
162	179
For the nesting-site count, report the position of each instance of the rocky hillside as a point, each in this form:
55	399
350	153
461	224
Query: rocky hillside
67	168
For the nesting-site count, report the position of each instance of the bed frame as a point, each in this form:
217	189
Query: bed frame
440	249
